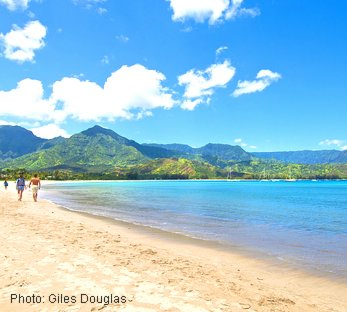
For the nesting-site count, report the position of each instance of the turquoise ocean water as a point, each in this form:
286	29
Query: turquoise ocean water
302	223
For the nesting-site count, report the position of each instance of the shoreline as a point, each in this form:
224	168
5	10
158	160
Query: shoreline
48	249
164	236
248	250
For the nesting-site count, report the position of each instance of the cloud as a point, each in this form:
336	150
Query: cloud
122	38
236	10
88	2
190	105
21	43
240	142
50	131
211	10
7	123
13	5
131	92
126	93
105	60
91	4
26	101
31	15
221	50
264	79
101	11
331	142
338	143
200	85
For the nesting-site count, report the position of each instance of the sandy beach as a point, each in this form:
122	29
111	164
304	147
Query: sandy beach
53	259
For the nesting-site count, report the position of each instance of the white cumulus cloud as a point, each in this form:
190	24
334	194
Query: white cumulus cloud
26	101
211	10
20	44
335	142
263	79
7	123
241	143
130	92
190	105
13	5
331	142
50	131
127	93
200	85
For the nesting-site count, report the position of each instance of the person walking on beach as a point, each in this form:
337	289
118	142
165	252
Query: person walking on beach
20	186
36	185
5	184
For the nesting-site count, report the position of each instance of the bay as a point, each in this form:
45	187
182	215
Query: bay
301	223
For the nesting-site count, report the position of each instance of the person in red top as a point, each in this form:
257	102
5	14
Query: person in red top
36	185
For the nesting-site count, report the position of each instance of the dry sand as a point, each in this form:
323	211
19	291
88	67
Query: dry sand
51	254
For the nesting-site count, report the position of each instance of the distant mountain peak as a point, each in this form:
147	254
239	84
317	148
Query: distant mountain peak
16	141
97	130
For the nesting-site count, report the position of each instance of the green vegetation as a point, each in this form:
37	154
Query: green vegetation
180	168
99	153
80	153
262	169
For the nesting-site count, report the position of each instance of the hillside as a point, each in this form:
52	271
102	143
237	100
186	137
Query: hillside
215	154
102	153
147	151
16	141
342	158
306	157
95	149
175	168
100	149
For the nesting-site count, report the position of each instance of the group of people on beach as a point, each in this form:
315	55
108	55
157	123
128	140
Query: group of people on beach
34	184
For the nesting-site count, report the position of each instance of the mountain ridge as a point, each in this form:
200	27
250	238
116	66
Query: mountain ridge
16	141
100	149
306	156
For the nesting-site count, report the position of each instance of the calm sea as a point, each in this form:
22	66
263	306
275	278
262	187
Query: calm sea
302	223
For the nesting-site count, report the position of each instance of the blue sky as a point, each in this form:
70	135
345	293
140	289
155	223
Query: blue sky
268	75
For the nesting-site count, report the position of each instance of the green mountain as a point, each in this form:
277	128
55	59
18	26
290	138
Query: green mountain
52	142
179	149
175	168
103	154
224	152
342	158
147	151
16	141
95	149
102	150
306	157
215	154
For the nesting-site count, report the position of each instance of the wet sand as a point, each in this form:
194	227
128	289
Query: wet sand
53	259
